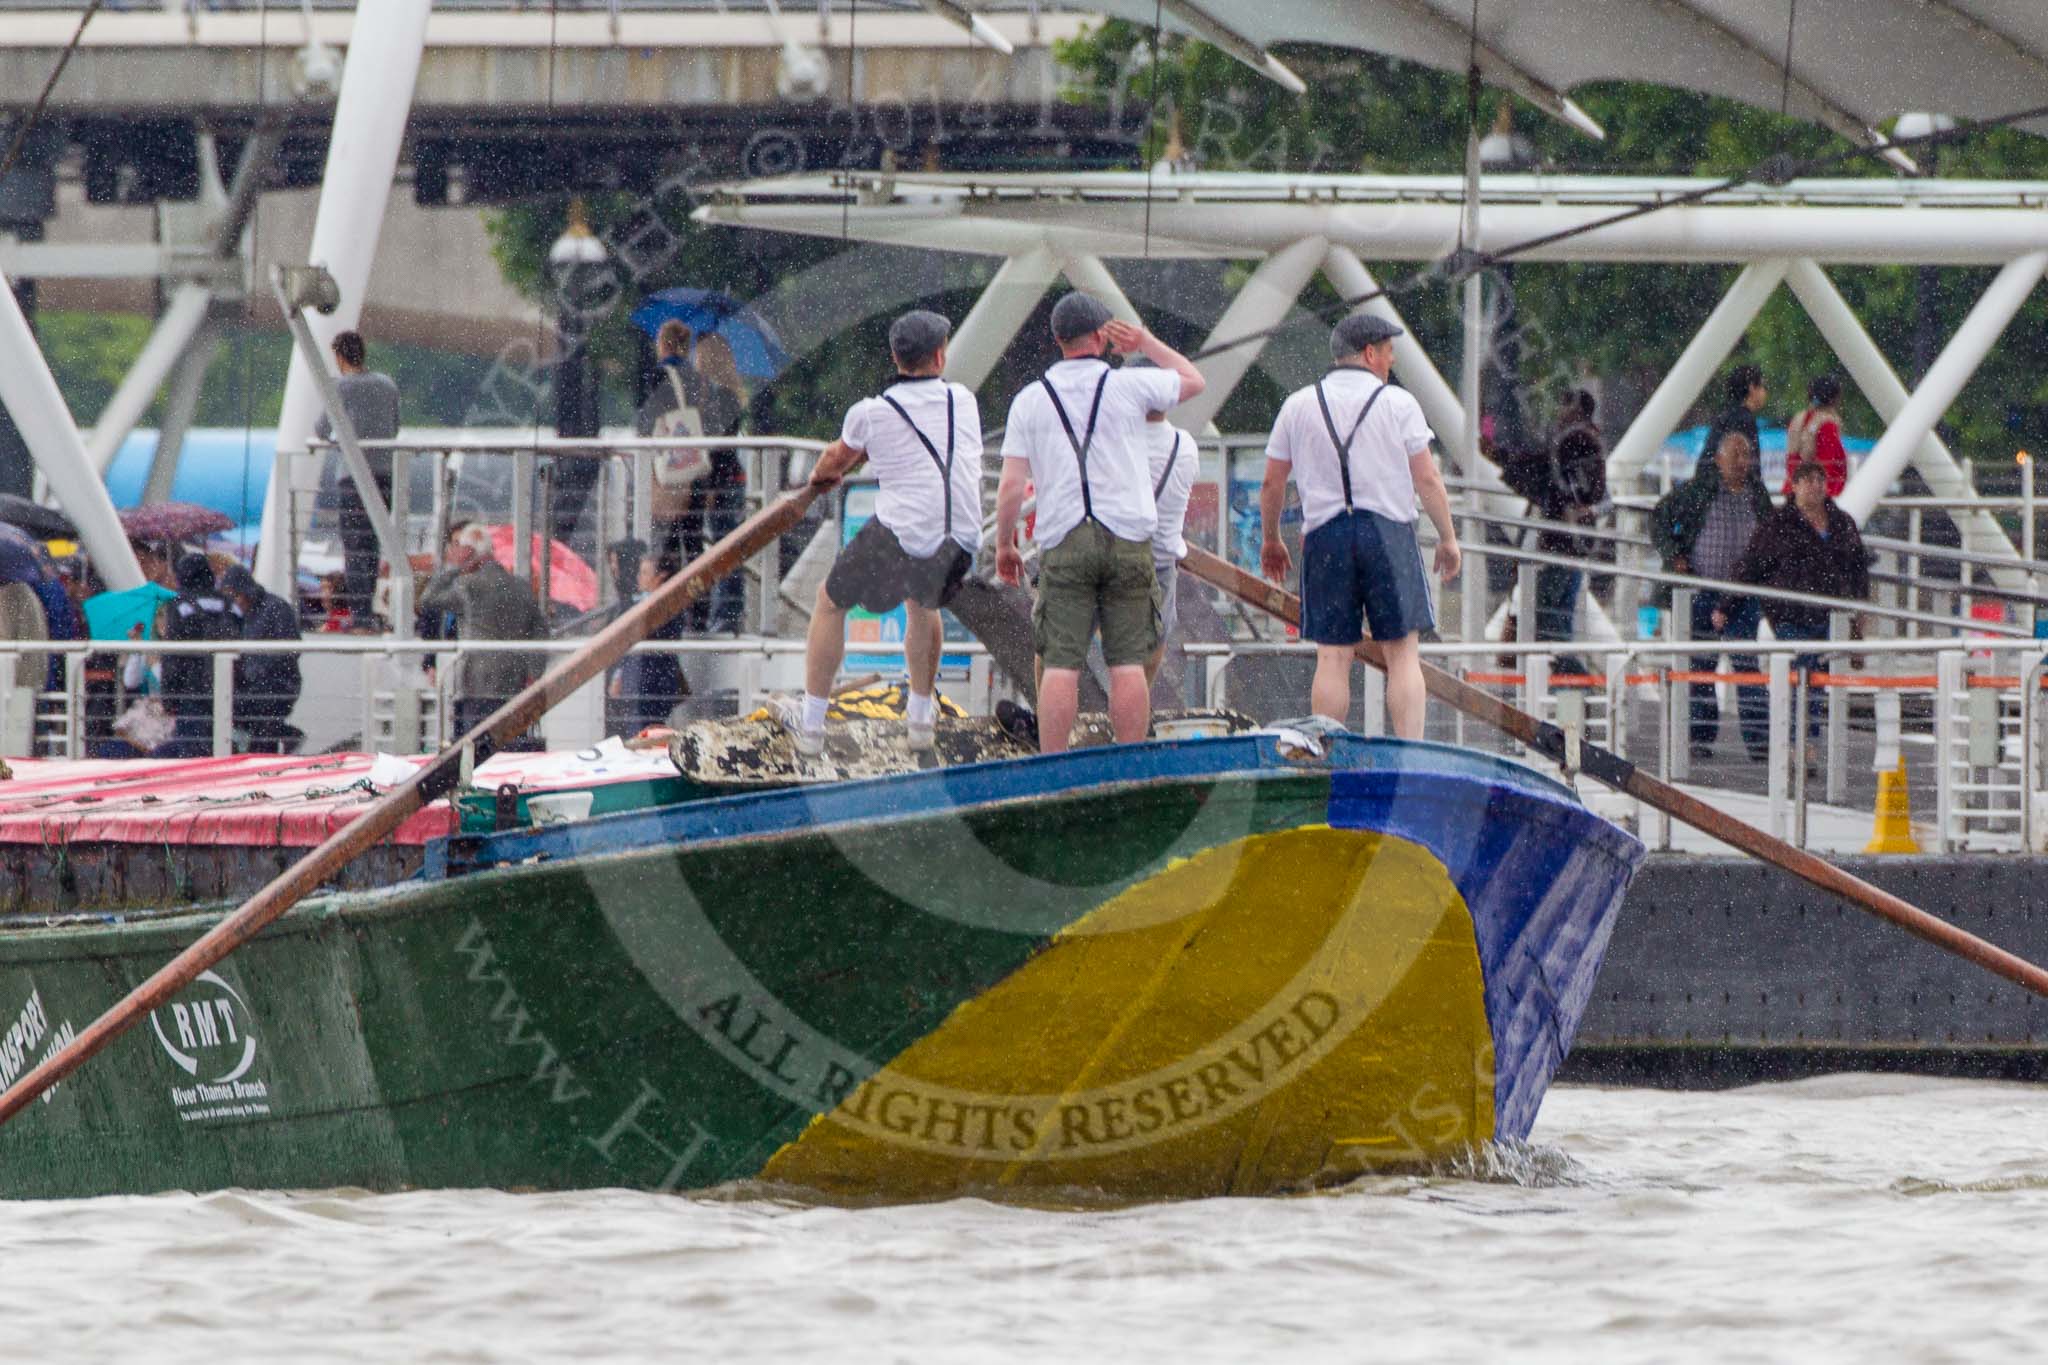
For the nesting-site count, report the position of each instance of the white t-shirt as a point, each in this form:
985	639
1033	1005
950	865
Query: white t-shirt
1380	481
1171	488
909	502
1119	473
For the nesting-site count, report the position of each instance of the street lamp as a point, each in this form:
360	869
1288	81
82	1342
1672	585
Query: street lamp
1505	150
1926	281
579	269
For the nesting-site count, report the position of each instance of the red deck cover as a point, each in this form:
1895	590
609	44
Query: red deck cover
263	799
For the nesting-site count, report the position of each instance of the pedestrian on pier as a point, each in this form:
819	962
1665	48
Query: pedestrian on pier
370	398
1357	447
199	614
488	603
1567	481
1078	434
922	437
1746	395
1812	547
646	685
1815	436
719	500
266	685
1702	528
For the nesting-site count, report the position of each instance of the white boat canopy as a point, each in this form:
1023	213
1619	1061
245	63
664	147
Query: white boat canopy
1854	64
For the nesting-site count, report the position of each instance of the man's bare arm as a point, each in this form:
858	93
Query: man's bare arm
1009	508
836	461
1273	557
1436	505
1129	337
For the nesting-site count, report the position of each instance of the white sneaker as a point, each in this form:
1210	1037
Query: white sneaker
788	712
923	735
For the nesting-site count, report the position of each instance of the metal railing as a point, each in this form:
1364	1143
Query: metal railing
1964	716
1964	719
516	481
403	694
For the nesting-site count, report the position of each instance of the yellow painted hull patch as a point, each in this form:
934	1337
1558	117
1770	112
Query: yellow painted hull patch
1278	1012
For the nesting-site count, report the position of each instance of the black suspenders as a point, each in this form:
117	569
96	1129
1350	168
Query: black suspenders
945	465
1081	443
1167	473
1343	445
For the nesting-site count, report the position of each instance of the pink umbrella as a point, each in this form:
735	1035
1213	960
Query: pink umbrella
571	582
172	521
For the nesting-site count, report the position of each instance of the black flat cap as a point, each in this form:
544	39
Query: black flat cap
1077	315
916	337
1359	331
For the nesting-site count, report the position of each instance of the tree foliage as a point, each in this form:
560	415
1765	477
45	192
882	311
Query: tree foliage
1625	323
90	353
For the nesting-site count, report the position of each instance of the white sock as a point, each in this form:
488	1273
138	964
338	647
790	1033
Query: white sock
921	709
814	712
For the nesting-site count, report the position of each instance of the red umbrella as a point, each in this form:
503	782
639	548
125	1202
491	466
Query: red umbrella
173	521
571	582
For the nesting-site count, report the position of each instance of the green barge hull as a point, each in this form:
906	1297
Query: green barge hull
1169	970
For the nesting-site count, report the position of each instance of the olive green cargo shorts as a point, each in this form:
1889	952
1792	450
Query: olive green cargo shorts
1090	579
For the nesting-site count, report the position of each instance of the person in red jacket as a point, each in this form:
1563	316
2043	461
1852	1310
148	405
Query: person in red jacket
1816	435
1812	547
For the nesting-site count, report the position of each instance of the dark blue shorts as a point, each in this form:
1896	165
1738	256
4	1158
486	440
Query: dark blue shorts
1361	564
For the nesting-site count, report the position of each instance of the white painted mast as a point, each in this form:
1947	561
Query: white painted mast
383	64
29	393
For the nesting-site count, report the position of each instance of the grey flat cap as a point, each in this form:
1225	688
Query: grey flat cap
1359	331
1077	315
916	337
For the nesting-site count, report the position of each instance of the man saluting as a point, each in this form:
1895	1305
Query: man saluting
922	435
1358	449
1079	435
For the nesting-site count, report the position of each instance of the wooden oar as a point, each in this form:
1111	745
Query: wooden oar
437	779
1609	768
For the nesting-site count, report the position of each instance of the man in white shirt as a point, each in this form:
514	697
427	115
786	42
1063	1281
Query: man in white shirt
922	436
1357	448
1175	460
1077	435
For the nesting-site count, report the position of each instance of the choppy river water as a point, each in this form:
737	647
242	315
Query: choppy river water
1856	1218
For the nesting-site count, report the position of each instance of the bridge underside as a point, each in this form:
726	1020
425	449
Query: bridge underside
508	105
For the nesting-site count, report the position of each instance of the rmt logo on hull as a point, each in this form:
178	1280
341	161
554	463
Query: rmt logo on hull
208	1033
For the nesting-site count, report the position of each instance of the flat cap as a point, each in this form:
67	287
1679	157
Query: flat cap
1077	315
916	337
1359	331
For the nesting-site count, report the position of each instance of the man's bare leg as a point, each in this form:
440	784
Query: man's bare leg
923	639
1152	664
1059	698
1329	695
824	646
1407	697
1130	703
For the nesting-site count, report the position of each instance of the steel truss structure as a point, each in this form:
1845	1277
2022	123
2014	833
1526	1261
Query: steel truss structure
1296	226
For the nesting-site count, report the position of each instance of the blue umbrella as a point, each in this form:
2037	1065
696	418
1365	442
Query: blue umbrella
755	348
111	615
